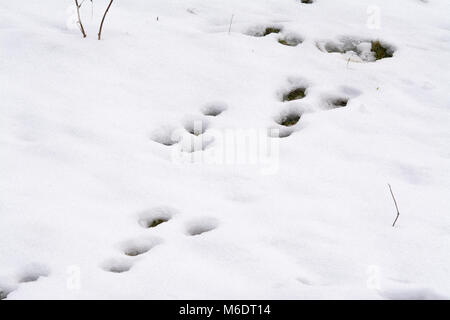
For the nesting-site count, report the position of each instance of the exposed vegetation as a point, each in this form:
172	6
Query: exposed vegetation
295	94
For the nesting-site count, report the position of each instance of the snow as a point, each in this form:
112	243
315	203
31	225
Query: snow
94	146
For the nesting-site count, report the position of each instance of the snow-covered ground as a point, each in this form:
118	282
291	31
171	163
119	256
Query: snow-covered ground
88	161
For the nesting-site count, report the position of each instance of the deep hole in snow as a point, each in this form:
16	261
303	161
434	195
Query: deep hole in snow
307	1
295	94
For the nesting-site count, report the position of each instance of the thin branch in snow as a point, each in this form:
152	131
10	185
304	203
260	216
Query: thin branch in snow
103	20
231	22
79	18
396	207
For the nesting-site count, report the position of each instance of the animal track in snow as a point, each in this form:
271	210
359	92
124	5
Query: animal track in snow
33	272
262	31
117	265
358	50
156	216
214	109
289	118
290	40
294	94
396	290
193	143
279	132
334	103
137	247
5	291
196	126
166	135
200	226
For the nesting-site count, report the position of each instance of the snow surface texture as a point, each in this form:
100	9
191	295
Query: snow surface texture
92	204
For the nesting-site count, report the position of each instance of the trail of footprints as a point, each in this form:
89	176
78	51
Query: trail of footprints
30	273
155	218
191	137
288	119
351	48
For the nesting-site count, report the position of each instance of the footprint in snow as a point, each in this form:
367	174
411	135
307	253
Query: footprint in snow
201	225
213	109
33	272
5	290
358	50
117	265
262	31
155	216
139	246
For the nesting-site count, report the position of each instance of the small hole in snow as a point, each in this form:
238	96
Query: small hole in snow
270	30
201	226
295	94
289	119
264	31
291	41
358	50
282	132
155	222
338	103
155	216
381	51
196	127
117	266
137	247
3	294
33	272
213	109
136	251
166	135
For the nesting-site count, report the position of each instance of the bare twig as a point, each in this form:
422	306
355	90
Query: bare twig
396	207
231	22
103	20
79	18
